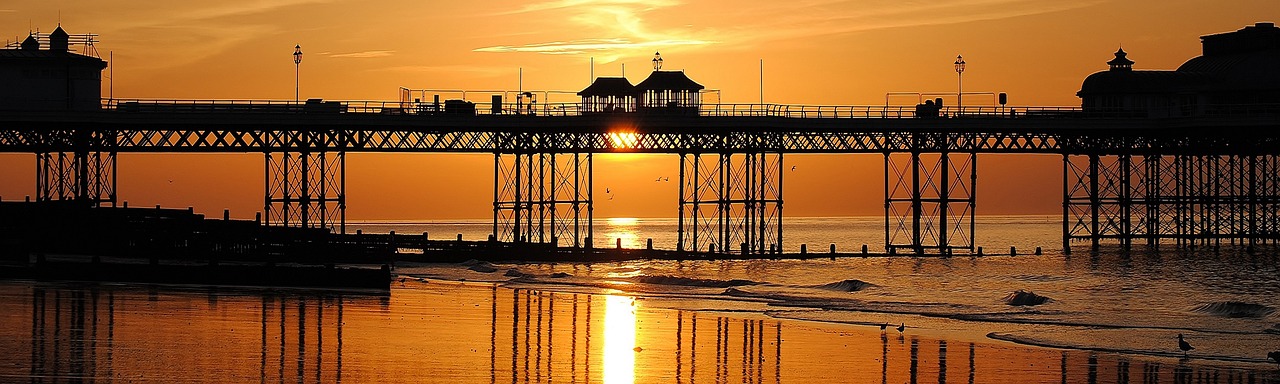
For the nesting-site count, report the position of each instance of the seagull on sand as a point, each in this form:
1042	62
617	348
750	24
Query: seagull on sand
902	327
1184	346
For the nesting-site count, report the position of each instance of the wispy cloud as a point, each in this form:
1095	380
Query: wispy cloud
610	28
449	69
561	4
621	27
589	45
359	55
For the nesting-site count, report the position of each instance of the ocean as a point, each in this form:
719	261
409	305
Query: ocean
1111	311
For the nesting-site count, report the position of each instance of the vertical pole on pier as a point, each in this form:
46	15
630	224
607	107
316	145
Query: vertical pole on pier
497	168
916	204
551	212
778	240
944	192
515	230
1095	204
590	235
1154	181
888	203
973	200
1066	205
1126	211
342	197
680	207
266	186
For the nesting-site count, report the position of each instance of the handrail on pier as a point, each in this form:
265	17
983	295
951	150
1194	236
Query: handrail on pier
796	111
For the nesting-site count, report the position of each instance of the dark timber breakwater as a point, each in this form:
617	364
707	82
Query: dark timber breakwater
69	240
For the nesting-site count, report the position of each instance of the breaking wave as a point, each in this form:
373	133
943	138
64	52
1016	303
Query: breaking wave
1235	309
851	285
691	282
1025	298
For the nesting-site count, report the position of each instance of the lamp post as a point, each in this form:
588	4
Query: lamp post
657	61
297	65
959	84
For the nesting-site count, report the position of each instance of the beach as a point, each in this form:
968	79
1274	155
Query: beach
469	332
1106	316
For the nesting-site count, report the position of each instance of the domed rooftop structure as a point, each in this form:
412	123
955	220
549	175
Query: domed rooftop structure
1236	68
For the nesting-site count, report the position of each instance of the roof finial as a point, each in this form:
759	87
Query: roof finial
1121	62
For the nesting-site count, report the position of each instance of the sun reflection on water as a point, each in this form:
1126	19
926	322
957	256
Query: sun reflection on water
626	229
619	363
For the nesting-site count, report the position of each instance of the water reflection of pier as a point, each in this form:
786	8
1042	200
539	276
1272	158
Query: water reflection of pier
602	339
96	334
92	333
579	338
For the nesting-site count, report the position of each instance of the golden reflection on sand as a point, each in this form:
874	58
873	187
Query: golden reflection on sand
438	331
619	365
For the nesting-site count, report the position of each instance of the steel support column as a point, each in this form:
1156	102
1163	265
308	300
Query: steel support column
930	200
1185	199
81	176
543	198
306	189
730	203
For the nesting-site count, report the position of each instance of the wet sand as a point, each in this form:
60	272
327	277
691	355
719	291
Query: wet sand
438	331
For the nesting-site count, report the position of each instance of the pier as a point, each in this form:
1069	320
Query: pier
1137	168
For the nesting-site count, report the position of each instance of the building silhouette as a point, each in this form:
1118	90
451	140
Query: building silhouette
663	92
42	73
608	95
1238	72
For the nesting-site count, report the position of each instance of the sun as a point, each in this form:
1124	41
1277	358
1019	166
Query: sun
623	139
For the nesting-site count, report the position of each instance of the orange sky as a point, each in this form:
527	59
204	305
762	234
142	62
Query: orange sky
814	52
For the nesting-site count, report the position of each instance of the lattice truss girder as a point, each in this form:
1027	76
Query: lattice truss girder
84	176
1184	199
930	201
306	189
732	202
543	198
470	140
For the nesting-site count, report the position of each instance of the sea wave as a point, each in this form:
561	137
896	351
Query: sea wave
1025	298
851	285
1039	342
691	282
1235	309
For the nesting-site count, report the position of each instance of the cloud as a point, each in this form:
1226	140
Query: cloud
610	28
562	4
589	45
450	69
622	27
359	55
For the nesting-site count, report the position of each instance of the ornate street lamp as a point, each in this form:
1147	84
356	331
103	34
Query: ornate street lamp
657	61
297	65
959	84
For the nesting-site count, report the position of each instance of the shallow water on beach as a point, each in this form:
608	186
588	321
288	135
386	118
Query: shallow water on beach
1111	316
454	332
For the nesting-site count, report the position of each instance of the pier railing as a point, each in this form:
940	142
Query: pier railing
797	111
561	109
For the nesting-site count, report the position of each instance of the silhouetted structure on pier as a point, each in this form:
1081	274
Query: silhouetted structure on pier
1237	71
41	73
